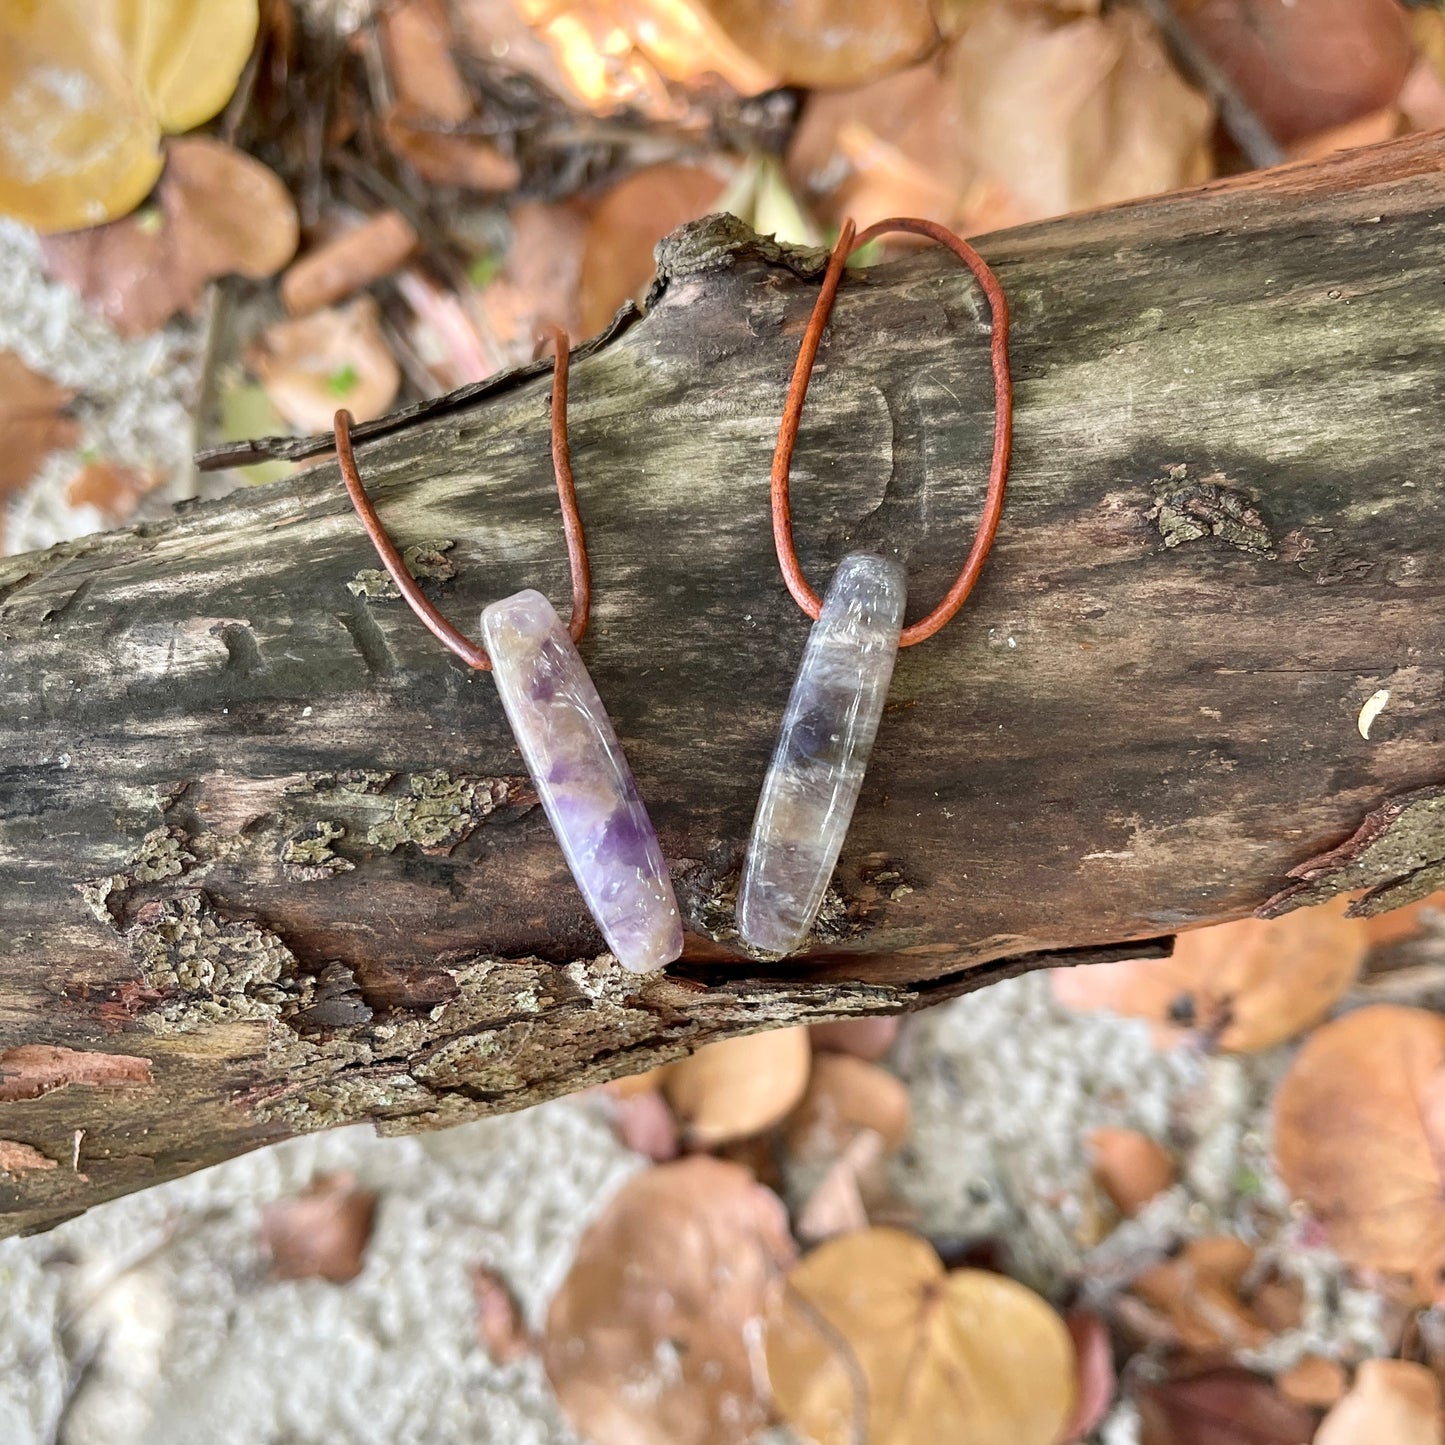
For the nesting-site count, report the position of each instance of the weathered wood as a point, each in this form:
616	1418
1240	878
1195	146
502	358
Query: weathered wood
266	859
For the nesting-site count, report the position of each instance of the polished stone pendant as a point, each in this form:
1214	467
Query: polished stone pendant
822	751
583	780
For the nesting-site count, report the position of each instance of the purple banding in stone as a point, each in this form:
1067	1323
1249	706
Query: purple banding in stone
583	780
817	768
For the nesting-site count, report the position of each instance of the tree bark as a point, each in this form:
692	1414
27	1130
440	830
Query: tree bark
268	861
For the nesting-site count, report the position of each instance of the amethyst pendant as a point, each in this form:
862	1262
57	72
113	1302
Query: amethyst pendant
583	780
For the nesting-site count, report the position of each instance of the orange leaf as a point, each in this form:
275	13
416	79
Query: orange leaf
1240	986
647	1341
873	1340
739	1087
1352	1138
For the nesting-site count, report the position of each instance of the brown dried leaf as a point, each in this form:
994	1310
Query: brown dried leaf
646	1125
31	421
845	1097
1199	1292
538	284
329	359
1353	1138
1305	66
1097	1380
1220	1407
1086	114
448	157
611	55
321	1233
1314	1380
112	489
86	91
866	1038
627	223
836	1205
1130	1167
874	1340
1402	924
417	41
647	1341
504	1335
347	263
821	44
1243	986
896	147
1392	1401
1368	130
739	1087
218	212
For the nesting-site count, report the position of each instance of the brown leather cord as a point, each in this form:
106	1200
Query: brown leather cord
782	506
470	653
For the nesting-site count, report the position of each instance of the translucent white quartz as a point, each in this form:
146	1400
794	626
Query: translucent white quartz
817	768
583	780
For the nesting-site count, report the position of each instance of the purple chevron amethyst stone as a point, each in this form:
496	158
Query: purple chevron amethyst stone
583	780
817	769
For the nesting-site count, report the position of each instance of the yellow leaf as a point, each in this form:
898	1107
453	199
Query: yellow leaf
87	89
187	55
874	1341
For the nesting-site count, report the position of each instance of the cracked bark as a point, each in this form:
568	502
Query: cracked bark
267	859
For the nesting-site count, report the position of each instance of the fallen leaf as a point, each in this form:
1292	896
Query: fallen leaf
837	1204
320	1233
1304	66
1360	1137
217	212
18	1160
446	156
1313	1380
1353	1136
417	41
1220	1407
823	44
625	225
112	489
1401	924
614	55
32	421
648	1081
1392	1402
896	147
1097	1382
1240	986
648	1340
1130	1167
845	1097
538	284
646	1125
348	263
1368	130
335	357
503	1333
739	1087
1199	1292
86	92
866	1038
873	1340
1086	114
1422	97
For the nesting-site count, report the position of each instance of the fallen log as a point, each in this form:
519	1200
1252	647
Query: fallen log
268	859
